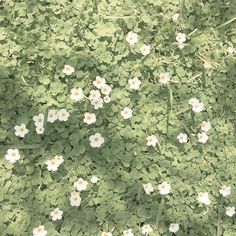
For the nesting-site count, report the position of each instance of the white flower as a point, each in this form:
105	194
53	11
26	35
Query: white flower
174	228
148	188
145	49
68	70
225	191
39	120
106	234
89	118
164	188
203	198
81	185
94	95
128	232
205	126
175	17
202	137
63	115
21	130
134	83
230	211
99	82
40	231
126	113
106	99
12	155
94	179
39	130
198	107
97	103
231	50
183	138
164	78
96	140
75	199
106	89
76	94
52	165
207	65
151	140
59	159
193	101
180	37
132	38
181	45
52	116
56	214
146	229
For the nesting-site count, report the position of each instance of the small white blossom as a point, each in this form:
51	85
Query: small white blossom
106	89
52	165
63	115
230	211
174	228
75	199
205	126
203	198
225	191
145	49
21	130
94	179
12	155
231	50
39	130
148	188
40	231
106	234
175	17
81	184
76	94
56	214
146	229
193	101
128	232
181	38
132	38
151	140
96	140
94	94
52	116
164	78
107	99
99	82
39	120
134	83
198	107
68	70
202	137
164	188
126	113
89	118
97	103
183	138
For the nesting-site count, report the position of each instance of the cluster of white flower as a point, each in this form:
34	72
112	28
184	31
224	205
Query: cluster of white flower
197	106
40	231
152	140
39	122
181	38
164	188
53	164
132	38
164	78
134	83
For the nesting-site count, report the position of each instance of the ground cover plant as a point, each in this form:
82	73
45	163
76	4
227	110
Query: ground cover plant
117	117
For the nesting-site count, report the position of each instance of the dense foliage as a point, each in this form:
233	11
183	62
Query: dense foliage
39	37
